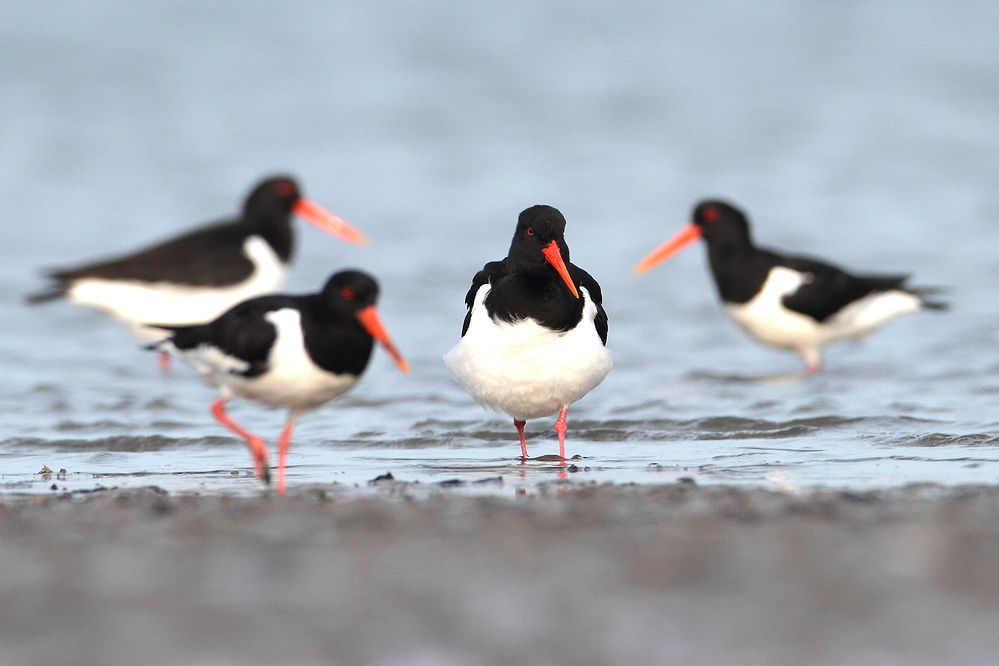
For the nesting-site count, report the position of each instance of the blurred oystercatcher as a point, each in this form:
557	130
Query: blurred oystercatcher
197	276
297	351
534	339
790	302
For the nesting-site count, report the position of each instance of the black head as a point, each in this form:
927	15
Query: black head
354	293
537	227
273	197
721	223
350	291
539	241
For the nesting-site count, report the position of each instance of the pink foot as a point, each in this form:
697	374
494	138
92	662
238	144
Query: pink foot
257	447
560	427
811	368
519	425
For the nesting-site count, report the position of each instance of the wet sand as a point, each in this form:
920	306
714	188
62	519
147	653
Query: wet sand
402	573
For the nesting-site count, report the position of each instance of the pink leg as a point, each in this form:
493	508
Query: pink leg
519	425
283	445
812	368
813	361
164	360
257	447
560	427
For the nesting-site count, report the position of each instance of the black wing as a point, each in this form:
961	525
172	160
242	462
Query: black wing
830	288
208	257
241	332
489	273
583	279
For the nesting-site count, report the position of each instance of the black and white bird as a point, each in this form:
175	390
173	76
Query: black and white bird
197	276
296	351
534	339
790	302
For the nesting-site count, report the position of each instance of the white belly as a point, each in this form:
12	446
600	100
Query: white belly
137	303
292	380
524	369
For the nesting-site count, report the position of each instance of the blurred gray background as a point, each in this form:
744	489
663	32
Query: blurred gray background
863	132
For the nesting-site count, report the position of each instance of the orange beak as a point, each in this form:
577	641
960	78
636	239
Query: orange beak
312	212
682	239
554	257
372	323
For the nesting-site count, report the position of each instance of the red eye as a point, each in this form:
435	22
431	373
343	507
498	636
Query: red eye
348	293
711	214
285	189
530	231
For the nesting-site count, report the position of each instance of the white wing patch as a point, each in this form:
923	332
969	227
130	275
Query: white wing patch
870	313
212	364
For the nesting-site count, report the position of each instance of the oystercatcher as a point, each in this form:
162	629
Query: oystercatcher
296	351
790	302
534	338
195	277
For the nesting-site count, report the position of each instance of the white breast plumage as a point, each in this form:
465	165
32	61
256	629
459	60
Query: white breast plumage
525	369
292	378
765	317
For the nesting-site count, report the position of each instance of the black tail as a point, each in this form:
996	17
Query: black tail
171	329
54	292
884	282
925	293
60	285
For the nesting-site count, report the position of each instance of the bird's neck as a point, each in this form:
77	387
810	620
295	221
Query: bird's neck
538	294
739	271
276	231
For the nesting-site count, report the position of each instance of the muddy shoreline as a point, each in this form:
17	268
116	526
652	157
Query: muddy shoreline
404	574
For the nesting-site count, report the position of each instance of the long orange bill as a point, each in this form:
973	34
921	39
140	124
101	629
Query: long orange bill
554	257
682	239
312	212
372	323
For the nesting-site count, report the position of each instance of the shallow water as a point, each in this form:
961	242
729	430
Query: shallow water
866	133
